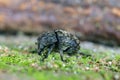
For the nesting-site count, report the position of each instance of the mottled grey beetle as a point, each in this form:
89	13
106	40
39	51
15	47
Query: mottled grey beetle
60	40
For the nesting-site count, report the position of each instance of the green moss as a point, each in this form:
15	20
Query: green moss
99	66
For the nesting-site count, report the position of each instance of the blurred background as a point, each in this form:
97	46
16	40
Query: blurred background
91	20
95	22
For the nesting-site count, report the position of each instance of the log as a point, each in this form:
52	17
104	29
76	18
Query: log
93	20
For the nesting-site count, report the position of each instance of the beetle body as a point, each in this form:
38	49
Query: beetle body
60	40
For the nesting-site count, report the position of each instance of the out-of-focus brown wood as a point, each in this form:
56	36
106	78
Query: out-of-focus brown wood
96	20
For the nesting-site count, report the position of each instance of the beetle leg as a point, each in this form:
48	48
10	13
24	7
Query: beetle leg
40	51
61	55
49	51
83	54
40	48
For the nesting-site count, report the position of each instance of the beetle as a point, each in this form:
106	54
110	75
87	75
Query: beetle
61	40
